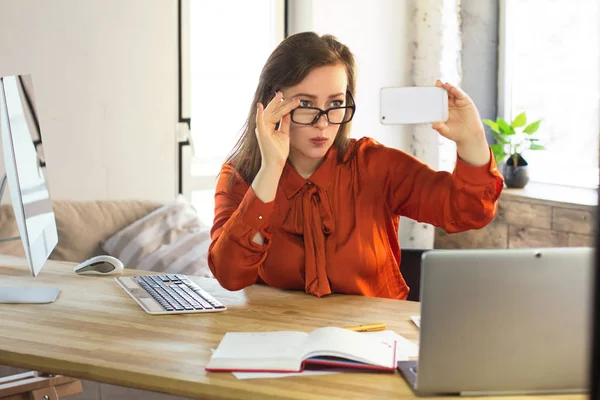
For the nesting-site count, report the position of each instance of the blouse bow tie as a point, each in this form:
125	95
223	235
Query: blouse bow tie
310	216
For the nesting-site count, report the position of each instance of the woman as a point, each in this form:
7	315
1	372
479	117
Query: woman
299	205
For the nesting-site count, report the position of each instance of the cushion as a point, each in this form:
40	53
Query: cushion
171	239
81	226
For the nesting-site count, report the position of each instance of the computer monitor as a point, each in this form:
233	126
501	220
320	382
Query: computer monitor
29	192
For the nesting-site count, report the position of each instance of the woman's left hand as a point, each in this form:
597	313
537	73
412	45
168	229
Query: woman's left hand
463	122
463	126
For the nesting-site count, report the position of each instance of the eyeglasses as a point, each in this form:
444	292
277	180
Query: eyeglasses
335	115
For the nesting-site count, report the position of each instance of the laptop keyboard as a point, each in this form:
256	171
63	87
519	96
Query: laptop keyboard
177	293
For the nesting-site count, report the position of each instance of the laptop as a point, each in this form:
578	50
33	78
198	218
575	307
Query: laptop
506	321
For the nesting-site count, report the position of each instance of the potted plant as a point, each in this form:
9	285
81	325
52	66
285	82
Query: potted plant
512	140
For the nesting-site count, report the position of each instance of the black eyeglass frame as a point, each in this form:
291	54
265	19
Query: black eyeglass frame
326	112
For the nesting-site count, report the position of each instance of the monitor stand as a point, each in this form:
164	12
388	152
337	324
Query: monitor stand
28	295
24	295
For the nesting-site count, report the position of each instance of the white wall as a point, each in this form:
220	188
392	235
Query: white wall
105	76
377	33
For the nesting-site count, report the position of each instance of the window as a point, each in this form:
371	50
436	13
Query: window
229	42
550	68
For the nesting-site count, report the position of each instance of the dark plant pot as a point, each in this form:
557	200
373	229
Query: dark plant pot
516	176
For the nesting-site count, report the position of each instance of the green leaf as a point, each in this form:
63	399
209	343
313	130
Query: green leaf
536	147
497	148
532	128
499	157
519	121
492	125
505	128
499	153
499	138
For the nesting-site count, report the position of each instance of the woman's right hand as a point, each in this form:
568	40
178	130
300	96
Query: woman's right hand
274	143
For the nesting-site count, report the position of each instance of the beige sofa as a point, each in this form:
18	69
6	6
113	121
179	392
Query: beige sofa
82	226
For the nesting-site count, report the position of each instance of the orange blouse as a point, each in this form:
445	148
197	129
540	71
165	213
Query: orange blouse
337	232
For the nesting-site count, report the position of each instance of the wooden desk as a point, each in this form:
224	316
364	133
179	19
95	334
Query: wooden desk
95	331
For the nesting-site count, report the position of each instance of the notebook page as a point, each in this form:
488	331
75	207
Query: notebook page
256	350
270	375
405	349
339	342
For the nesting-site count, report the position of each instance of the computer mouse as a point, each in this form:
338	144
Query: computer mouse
100	265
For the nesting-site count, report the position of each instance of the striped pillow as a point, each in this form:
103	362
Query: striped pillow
171	239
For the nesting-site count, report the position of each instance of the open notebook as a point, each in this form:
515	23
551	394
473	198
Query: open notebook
288	351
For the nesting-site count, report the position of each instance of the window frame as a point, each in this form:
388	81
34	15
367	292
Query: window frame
505	52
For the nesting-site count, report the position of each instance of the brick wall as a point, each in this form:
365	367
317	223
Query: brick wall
527	222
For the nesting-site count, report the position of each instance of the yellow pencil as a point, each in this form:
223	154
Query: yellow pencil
367	327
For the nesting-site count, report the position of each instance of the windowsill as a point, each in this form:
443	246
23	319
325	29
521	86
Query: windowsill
556	193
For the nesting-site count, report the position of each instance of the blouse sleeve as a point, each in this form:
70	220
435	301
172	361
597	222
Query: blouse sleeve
464	199
233	257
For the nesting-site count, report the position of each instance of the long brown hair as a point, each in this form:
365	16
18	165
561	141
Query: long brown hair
288	65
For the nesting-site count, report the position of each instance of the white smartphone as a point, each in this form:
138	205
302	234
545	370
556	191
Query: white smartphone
413	105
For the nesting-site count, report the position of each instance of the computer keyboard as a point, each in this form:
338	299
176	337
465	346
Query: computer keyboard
169	294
